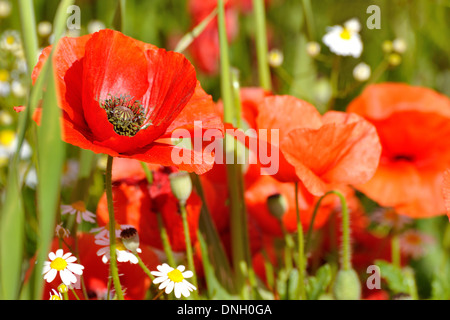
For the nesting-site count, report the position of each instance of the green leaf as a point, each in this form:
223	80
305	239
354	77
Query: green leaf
317	286
394	276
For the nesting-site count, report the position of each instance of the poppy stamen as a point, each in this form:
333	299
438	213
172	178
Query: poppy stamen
125	114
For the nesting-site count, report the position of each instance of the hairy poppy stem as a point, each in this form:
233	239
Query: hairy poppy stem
346	253
301	250
112	231
395	250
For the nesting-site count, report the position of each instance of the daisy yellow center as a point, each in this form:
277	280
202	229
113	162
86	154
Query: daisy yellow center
175	276
120	246
7	137
10	40
55	297
413	239
345	34
4	75
125	114
58	264
79	206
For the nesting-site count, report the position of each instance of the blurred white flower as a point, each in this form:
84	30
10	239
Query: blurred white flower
18	89
399	45
44	28
5	87
8	145
10	41
78	208
5	8
362	72
95	26
345	40
276	58
313	48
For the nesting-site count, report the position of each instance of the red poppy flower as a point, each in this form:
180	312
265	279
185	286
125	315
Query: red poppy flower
125	98
414	129
137	203
322	152
446	191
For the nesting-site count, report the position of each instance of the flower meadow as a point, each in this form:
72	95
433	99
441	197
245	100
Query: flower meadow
224	150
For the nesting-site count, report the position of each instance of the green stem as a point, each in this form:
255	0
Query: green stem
165	241
148	173
144	267
112	231
187	237
261	45
301	250
395	250
346	253
309	16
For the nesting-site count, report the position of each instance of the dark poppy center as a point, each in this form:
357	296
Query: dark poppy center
404	157
125	114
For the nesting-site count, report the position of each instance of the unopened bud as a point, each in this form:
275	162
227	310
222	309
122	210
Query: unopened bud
130	239
277	205
181	185
347	285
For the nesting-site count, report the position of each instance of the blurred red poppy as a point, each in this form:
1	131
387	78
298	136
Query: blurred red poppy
414	129
205	49
323	152
446	191
137	203
124	98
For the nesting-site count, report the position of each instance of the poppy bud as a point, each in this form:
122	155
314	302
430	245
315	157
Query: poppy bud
181	185
347	285
130	239
277	205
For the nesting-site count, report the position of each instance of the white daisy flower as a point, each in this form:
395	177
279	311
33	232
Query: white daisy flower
78	208
103	232
55	295
123	254
10	41
174	280
44	28
345	40
64	265
276	58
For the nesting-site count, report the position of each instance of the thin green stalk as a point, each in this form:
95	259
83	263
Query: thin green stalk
165	241
301	250
395	250
148	173
112	231
187	237
30	40
187	39
237	232
144	267
261	45
346	252
309	17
